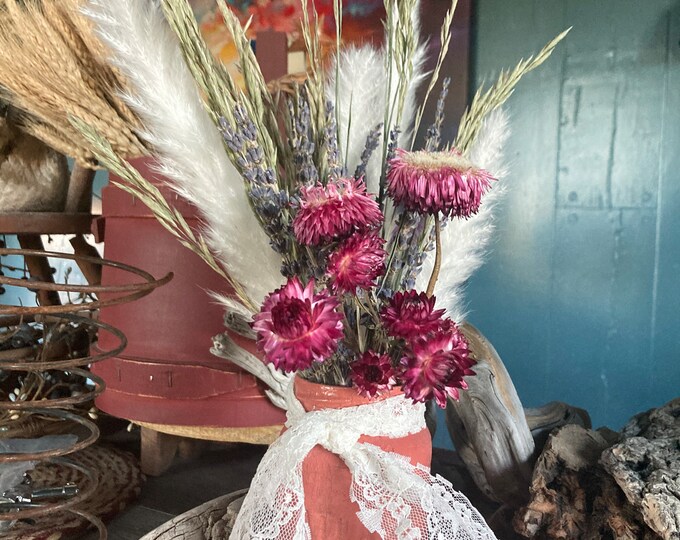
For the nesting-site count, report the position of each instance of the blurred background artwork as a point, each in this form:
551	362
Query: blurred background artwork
362	22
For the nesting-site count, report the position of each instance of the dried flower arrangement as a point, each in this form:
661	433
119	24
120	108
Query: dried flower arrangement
331	183
332	230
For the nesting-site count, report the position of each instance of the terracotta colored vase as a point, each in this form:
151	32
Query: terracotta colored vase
330	512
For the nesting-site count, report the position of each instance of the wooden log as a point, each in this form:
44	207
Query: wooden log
39	268
159	450
91	271
79	195
489	429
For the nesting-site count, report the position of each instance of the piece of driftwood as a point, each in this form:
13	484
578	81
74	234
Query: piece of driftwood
543	420
489	429
210	521
646	467
497	439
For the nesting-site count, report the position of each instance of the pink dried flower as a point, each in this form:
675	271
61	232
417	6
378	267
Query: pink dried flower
410	314
434	366
372	374
357	262
431	182
334	211
296	327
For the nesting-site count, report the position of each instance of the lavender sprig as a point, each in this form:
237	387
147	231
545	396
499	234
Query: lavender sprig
269	203
390	151
300	141
433	139
330	142
372	142
406	246
392	145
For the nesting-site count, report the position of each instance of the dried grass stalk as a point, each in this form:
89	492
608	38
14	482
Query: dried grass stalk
52	67
488	101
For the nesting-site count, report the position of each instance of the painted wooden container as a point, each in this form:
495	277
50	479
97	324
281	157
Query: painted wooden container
167	376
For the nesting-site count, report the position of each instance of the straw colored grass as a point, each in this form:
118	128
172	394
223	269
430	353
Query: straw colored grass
51	68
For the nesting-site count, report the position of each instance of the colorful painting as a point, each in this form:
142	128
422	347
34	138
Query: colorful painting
361	22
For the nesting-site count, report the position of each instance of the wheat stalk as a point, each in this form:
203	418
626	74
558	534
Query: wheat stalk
445	39
49	71
485	102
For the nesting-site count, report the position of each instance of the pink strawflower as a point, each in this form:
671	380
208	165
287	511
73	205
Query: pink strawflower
372	374
434	366
431	182
410	314
357	262
334	211
296	327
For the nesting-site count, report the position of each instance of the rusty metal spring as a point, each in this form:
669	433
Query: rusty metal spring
47	357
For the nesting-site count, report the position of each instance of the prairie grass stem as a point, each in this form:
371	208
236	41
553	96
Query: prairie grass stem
437	257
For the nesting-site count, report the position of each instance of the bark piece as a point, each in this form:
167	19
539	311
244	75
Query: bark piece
598	484
560	488
646	466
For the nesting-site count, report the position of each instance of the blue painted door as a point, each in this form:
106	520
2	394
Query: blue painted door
581	293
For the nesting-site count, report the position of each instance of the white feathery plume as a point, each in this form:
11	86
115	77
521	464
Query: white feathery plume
188	146
361	105
464	241
363	80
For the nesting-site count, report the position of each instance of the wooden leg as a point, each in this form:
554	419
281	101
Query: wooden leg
79	196
158	451
91	271
191	448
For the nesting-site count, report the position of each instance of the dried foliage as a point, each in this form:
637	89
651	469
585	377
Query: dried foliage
52	67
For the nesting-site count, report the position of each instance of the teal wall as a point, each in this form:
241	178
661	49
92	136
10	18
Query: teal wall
581	293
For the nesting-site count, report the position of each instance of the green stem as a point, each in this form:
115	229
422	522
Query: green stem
402	220
437	258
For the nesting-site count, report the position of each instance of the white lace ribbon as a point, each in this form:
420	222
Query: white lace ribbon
386	486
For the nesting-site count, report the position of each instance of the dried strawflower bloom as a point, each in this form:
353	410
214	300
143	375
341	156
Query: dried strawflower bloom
410	314
432	182
434	366
372	374
357	262
297	326
334	211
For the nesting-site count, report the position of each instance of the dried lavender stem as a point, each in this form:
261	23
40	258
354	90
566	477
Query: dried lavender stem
437	257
